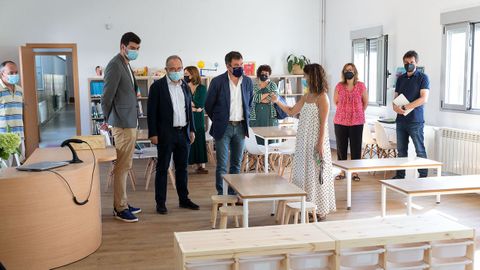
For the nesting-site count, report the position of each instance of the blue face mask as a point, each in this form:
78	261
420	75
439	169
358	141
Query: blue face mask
237	71
175	76
132	54
13	79
409	67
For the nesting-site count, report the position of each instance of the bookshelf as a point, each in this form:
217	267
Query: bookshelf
95	85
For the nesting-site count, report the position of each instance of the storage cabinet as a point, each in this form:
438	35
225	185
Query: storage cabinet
401	243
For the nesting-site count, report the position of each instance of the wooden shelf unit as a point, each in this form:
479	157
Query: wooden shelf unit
333	236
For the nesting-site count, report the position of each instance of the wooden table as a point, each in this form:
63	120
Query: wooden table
382	164
262	187
429	186
43	228
273	133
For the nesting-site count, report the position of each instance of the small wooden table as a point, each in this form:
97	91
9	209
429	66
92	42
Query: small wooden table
262	187
273	133
382	164
429	186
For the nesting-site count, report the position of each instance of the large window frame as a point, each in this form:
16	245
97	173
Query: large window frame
370	56
460	74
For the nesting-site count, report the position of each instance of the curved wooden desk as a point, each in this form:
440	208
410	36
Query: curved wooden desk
41	227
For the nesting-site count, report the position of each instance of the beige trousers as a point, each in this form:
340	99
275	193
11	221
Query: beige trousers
125	145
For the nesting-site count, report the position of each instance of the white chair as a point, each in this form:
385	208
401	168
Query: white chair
210	145
369	142
252	148
386	148
152	155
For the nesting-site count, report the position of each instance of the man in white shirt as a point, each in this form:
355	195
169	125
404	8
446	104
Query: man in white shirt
229	99
171	128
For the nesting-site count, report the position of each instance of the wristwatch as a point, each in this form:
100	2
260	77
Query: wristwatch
403	107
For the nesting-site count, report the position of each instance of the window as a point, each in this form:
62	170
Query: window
461	67
370	58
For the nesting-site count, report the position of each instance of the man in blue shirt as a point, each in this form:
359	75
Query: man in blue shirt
414	85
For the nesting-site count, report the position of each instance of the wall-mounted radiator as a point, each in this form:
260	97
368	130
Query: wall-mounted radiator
459	150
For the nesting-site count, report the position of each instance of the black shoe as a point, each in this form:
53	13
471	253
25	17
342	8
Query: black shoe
189	205
162	209
397	177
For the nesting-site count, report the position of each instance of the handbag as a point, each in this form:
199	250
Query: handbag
280	113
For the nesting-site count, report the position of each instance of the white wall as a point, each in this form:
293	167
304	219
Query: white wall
263	31
410	25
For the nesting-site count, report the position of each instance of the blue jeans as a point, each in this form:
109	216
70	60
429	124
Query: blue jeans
414	131
233	141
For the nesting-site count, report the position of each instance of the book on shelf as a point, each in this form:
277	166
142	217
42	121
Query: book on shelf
281	87
140	108
96	88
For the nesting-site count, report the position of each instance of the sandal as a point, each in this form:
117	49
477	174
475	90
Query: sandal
355	178
340	177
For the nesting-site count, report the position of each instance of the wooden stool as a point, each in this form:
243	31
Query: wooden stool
229	211
130	175
218	200
282	210
294	208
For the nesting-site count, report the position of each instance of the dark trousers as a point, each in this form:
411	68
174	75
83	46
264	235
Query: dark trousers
346	134
414	131
179	146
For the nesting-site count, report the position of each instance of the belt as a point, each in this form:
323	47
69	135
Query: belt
179	128
235	123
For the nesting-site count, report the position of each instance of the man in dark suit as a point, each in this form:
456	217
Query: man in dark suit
229	99
119	105
171	128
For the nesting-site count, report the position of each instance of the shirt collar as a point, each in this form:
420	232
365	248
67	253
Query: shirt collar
4	86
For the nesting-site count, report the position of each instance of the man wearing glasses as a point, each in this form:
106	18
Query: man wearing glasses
171	128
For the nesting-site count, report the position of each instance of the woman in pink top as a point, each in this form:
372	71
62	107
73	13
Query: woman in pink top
351	99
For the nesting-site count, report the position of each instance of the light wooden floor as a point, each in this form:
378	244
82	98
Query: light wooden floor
148	243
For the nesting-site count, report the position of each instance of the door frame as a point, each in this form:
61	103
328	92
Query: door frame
28	78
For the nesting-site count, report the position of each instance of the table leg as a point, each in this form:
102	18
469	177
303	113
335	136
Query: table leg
274	204
266	155
409	205
439	173
225	190
384	200
302	210
245	213
349	189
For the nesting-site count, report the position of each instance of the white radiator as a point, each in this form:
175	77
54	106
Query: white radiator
459	150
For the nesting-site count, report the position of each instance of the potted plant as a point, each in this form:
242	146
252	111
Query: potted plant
297	63
9	145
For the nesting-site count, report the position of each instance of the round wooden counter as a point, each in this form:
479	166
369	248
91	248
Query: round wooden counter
41	227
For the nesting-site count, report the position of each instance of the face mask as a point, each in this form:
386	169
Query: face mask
263	77
13	79
175	76
348	75
237	71
187	79
132	54
409	67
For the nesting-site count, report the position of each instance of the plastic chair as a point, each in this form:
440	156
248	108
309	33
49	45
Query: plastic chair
387	149
370	143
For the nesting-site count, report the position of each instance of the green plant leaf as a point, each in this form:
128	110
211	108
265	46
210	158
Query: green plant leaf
301	63
290	66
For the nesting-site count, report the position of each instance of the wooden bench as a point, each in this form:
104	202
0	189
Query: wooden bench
429	186
382	164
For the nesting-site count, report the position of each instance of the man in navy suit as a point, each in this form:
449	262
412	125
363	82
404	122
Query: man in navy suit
229	99
171	128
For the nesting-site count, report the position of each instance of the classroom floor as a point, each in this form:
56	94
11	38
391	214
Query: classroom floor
148	244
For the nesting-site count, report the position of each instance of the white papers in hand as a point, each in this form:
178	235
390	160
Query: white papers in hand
400	101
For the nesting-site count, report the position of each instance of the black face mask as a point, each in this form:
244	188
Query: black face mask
263	77
187	79
237	71
409	67
348	75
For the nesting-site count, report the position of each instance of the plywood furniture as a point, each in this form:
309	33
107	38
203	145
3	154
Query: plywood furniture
273	133
244	242
384	232
383	164
43	228
336	237
229	211
429	186
218	200
262	187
